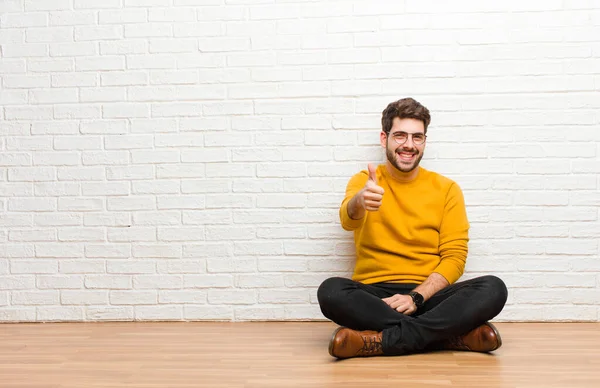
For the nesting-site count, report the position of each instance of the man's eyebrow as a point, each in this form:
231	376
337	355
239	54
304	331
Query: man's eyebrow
412	133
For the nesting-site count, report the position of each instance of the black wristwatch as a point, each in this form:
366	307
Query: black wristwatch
417	299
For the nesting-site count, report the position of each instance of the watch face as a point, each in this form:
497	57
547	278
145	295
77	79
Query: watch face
417	298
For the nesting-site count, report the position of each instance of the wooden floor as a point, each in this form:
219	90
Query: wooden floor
264	355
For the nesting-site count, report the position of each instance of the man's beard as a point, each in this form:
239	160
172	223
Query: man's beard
393	157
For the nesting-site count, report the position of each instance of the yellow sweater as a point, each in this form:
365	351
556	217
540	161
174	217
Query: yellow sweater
420	228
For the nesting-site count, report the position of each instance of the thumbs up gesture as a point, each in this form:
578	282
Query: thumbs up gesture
372	194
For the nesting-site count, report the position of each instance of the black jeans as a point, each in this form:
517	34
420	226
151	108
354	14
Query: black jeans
451	312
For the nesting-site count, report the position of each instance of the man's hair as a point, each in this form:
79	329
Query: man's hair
406	108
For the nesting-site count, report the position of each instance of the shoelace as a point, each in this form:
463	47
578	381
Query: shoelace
370	345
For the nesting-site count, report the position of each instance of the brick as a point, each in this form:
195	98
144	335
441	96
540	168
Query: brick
85	4
157	281
162	77
102	63
98	33
29	113
181	234
81	234
153	313
124	78
54	128
124	46
58	219
208	281
29	19
108	250
17	314
56	158
38	204
49	34
262	313
157	250
28	298
183	266
154	61
125	110
33	267
83	297
109	313
231	297
81	266
72	80
132	234
78	49
182	297
191	170
59	281
153	125
59	314
105	157
111	219
32	235
80	204
112	282
157	218
105	188
130	267
81	173
79	111
172	45
206	217
133	297
71	18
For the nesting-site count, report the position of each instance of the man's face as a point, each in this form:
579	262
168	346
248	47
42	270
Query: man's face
405	157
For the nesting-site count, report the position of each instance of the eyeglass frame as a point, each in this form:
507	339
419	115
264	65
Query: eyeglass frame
408	135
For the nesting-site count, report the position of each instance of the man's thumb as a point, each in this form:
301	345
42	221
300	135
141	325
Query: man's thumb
372	173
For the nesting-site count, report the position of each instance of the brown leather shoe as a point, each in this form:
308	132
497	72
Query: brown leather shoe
346	343
484	338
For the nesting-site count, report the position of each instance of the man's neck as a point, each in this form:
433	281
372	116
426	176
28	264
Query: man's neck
402	176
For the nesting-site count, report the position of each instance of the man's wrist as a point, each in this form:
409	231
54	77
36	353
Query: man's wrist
417	298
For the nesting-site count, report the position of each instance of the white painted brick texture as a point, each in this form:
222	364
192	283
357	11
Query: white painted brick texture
185	160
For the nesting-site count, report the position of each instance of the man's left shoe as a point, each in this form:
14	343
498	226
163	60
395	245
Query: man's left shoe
346	343
484	338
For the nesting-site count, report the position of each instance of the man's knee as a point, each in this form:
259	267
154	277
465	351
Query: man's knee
330	291
496	289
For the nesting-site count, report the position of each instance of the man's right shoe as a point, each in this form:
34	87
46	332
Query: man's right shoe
484	338
346	343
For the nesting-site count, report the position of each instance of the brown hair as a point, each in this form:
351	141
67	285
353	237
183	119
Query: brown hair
406	108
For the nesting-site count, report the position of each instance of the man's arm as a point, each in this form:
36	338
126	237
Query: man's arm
454	236
367	198
434	283
404	303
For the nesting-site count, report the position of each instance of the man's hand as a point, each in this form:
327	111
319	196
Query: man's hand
368	199
372	194
402	303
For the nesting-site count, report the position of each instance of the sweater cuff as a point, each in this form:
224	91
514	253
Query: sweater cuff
449	271
347	222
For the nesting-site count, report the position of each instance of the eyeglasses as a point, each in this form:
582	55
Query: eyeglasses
402	137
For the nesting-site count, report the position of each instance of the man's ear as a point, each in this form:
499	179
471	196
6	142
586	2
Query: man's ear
383	138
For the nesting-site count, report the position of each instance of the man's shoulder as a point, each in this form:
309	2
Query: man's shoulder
439	180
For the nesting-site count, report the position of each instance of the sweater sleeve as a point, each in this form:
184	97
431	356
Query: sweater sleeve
454	236
356	183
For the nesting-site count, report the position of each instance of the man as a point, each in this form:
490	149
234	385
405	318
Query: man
411	232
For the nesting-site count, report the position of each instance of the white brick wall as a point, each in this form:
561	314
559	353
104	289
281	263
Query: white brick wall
184	159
